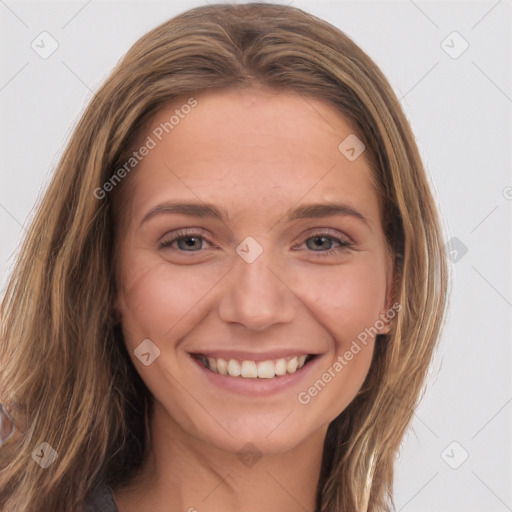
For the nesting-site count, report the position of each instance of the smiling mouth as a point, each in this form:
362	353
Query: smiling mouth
247	369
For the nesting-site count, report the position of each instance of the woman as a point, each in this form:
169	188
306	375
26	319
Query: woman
233	287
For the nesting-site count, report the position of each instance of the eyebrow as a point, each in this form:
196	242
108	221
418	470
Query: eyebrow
318	210
205	210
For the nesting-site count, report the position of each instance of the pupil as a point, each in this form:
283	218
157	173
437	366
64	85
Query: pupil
190	242
318	241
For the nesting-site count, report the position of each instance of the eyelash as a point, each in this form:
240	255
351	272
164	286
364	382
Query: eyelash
343	244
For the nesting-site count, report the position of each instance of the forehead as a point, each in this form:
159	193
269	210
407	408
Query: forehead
245	148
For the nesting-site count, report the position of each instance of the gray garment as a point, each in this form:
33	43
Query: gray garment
101	500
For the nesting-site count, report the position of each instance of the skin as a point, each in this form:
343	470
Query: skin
255	154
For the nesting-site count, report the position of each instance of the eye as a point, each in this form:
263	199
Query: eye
192	241
325	244
185	241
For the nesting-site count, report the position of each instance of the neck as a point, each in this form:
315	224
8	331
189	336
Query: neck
187	474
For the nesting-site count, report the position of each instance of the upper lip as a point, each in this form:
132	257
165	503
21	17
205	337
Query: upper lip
251	356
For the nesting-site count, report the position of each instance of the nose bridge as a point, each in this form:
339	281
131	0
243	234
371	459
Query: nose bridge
256	297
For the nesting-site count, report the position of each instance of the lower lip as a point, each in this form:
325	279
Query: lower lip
258	387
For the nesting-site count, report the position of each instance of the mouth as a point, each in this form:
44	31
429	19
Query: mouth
250	369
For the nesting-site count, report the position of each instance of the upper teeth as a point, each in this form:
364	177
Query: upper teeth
252	369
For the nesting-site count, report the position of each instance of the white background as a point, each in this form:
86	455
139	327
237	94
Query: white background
460	110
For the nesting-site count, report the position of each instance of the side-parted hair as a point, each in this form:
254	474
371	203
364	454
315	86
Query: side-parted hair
65	374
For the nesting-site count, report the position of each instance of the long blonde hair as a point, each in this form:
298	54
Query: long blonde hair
65	374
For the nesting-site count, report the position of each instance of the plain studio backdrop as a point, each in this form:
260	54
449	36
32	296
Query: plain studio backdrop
450	65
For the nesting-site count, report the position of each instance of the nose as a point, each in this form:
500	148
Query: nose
256	296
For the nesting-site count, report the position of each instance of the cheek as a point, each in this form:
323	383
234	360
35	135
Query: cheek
346	299
157	301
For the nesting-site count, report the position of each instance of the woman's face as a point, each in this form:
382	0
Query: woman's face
249	242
